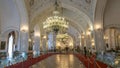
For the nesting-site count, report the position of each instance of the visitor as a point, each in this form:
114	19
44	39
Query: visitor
66	49
85	51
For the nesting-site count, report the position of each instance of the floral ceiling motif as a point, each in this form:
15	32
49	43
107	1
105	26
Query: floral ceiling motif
86	6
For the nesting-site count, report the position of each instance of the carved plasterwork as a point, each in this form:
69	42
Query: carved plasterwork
112	26
86	6
80	13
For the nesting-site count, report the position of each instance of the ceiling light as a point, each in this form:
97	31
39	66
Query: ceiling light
56	23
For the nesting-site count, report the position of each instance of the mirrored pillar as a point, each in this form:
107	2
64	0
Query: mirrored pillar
99	40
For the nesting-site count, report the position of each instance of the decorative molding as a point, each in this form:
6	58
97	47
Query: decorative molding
117	26
86	6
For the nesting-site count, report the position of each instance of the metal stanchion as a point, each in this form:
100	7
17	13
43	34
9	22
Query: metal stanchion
22	62
94	63
88	63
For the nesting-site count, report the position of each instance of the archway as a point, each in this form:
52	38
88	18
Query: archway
64	42
112	38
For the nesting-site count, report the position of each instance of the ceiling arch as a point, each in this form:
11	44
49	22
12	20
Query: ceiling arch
86	6
78	24
82	7
80	18
80	13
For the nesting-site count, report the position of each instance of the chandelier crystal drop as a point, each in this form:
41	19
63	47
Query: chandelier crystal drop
56	23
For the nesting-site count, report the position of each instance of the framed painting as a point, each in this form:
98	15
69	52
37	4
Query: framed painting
3	45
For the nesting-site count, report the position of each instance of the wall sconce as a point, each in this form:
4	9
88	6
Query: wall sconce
37	34
116	62
106	37
44	37
71	44
29	40
92	40
98	27
80	44
58	44
82	37
90	28
93	44
88	32
24	29
119	36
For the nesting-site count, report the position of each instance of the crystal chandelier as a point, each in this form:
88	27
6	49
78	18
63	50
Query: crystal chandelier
56	23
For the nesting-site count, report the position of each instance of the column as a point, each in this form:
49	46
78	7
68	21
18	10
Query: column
52	41
24	44
99	40
18	43
44	44
24	27
78	44
83	42
88	44
36	46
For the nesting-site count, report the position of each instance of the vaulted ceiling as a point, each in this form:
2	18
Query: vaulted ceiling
80	13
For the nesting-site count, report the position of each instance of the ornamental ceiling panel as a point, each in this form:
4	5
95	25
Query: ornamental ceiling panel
80	13
86	6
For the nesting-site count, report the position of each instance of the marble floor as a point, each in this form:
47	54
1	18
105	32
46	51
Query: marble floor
59	61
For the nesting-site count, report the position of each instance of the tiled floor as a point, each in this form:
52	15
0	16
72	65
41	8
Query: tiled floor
59	61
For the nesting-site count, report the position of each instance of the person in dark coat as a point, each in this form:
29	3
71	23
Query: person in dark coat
85	51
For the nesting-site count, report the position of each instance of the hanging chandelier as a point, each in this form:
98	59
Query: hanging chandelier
56	23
